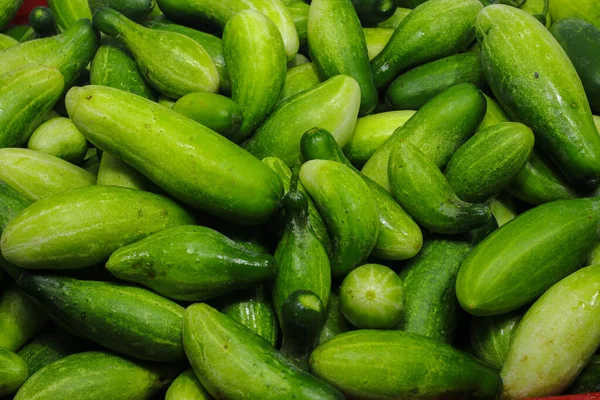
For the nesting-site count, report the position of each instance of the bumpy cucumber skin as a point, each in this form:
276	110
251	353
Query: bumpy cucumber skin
96	375
435	29
13	372
82	227
555	339
68	12
179	155
376	39
216	346
115	172
8	10
587	10
11	203
20	319
216	112
299	79
348	208
537	85
430	306
355	363
59	137
490	337
187	387
522	259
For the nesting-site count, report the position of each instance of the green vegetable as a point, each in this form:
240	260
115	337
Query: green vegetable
587	380
299	12
13	372
68	12
335	323
586	10
494	114
187	387
216	112
7	41
20	319
503	208
42	20
8	10
16	32
394	20
11	203
137	10
491	336
376	39
115	172
299	79
372	12
59	137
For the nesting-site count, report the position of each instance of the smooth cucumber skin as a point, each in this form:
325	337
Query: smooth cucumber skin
348	208
68	12
522	259
587	10
376	39
337	47
410	91
555	339
438	129
190	263
11	203
115	172
299	79
587	380
96	375
332	105
69	52
430	306
494	114
26	95
581	42
255	86
13	372
372	12
187	387
536	83
299	12
433	30
490	337
7	41
20	319
396	18
42	21
355	363
217	346
136	10
36	175
8	10
189	161
335	322
59	137
83	227
216	112
485	164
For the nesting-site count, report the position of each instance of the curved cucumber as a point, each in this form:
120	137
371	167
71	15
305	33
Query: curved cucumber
11	203
115	172
335	323
376	39
491	336
20	319
68	12
8	10
59	137
13	372
216	112
299	79
187	387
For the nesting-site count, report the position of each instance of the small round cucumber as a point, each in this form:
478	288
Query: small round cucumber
219	113
42	20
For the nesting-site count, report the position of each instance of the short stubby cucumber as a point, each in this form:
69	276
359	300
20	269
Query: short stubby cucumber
59	137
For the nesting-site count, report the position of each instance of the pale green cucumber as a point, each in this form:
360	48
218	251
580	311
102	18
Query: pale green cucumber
7	41
20	319
115	172
299	79
187	387
59	137
376	39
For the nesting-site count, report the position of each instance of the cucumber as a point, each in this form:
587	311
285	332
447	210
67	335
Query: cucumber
337	47
485	164
166	101
354	362
371	132
521	260
7	41
376	39
96	375
581	42
216	112
16	32
26	95
371	12
68	12
299	79
59	137
538	86
42	20
136	10
11	203
586	10
187	387
423	191
491	336
219	12
190	68
348	208
114	66
82	227
503	208
115	172
298	59
69	52
208	264
255	86
8	10
430	306
395	19
438	129
36	175
216	345
555	339
13	372
587	380
299	12
218	177
494	114
20	319
540	9
335	323
410	91
435	29
332	105
31	34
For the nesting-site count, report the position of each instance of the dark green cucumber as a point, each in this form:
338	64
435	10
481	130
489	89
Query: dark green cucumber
410	91
299	79
588	380
68	12
216	112
336	323
20	319
216	345
435	29
581	42
11	203
372	12
13	372
337	47
354	362
490	337
430	306
522	259
299	12
42	20
113	171
8	10
59	137
187	387
376	39
136	10
190	263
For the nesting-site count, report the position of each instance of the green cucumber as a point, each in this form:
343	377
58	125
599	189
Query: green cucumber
503	209
299	12
217	345
438	129
13	372
435	29
376	39
538	86
395	19
136	10
372	12
337	47
485	164
8	10
494	114
20	319
335	323
332	105
59	137
42	20
348	208
298	59
581	42
540	9
7	41
187	387
11	203
555	339
69	52
114	66
115	172
586	10
16	32
36	175
166	101
521	260
217	176
31	34
430	306
216	112
490	337
68	12
26	95
96	375
410	91
190	263
587	380
299	79
82	227
423	191
355	362
190	67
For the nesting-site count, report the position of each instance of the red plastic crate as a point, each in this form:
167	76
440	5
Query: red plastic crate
28	5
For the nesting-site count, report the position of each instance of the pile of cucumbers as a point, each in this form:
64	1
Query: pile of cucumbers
295	199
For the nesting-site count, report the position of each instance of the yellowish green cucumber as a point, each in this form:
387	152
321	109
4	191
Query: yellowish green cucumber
59	137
